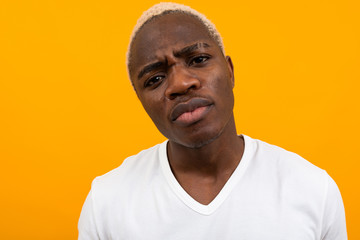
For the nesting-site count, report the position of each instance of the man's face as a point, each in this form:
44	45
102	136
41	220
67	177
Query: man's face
182	79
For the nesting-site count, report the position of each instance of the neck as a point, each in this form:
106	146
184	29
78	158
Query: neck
221	156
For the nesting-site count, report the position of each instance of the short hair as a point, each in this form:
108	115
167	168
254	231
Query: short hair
164	8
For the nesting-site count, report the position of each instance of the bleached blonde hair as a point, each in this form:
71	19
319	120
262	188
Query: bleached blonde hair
164	8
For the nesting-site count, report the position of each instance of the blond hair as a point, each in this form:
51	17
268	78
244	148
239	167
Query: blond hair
164	8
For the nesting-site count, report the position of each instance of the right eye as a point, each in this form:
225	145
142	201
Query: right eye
153	81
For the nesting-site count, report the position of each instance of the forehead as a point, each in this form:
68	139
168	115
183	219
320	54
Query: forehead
166	33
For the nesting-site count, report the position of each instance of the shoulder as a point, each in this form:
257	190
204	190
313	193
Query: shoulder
115	191
299	183
289	169
283	160
131	171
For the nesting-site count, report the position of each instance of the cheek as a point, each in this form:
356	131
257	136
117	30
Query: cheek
222	89
154	109
221	85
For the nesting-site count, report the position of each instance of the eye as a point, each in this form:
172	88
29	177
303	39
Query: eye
198	60
153	81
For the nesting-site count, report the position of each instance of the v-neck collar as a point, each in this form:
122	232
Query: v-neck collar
225	191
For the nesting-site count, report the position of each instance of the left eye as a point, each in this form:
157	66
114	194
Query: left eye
198	60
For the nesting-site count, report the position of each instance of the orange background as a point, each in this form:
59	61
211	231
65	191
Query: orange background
68	112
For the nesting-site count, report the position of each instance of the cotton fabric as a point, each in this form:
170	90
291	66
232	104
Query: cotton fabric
273	194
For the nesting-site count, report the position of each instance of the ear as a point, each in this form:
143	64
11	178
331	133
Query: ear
231	69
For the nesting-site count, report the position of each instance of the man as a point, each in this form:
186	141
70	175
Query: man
205	182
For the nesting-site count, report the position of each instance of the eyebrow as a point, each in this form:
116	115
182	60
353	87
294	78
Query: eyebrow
149	68
190	49
186	50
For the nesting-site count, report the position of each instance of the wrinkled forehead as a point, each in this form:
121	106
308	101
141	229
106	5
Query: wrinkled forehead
164	34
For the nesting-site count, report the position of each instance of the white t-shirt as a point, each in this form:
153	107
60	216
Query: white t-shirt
273	194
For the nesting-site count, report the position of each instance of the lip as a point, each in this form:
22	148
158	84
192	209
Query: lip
191	111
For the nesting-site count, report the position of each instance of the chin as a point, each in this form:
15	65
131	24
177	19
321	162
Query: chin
198	140
200	144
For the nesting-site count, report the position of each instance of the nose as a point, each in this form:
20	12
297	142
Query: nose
180	82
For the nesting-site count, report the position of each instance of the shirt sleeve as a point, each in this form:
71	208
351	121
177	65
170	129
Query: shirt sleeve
333	223
87	225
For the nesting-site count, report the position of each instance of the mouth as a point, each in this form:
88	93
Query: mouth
191	111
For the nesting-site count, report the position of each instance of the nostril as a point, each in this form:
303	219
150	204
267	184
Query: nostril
180	82
194	86
185	90
173	96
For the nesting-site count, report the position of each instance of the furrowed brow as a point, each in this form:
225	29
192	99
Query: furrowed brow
190	49
149	68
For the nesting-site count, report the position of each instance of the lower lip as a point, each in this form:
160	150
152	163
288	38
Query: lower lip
189	118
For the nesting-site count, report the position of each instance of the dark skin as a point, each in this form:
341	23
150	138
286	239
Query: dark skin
175	62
